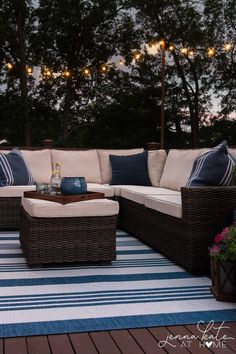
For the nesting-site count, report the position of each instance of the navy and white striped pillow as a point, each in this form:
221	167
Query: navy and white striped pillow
13	170
214	168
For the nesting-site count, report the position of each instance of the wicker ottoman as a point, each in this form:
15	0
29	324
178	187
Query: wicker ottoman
77	232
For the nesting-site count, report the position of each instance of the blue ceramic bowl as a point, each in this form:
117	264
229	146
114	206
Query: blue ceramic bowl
73	185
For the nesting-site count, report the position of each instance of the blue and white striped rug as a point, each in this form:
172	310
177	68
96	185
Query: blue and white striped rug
140	289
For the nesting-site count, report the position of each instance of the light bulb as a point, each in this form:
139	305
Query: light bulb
171	48
211	52
29	70
48	72
184	51
86	72
227	46
9	66
162	42
104	68
137	56
66	73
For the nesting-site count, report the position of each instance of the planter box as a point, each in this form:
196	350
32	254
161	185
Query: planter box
223	275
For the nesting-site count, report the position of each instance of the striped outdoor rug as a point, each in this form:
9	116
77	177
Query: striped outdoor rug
140	289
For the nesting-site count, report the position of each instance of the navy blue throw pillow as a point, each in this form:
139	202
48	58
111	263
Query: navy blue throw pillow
214	168
132	169
13	170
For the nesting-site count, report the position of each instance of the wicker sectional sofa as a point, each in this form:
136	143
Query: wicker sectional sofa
178	221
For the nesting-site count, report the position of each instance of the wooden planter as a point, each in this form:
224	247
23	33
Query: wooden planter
223	275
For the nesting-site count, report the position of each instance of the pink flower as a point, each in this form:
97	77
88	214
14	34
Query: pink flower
214	250
219	238
224	234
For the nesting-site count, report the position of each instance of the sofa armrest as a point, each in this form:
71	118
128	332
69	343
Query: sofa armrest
208	204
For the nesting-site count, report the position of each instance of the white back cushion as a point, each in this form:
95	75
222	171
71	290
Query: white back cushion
232	152
156	162
105	165
39	163
178	167
78	163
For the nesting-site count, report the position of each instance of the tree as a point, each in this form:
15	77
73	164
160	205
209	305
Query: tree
16	24
74	35
221	22
184	24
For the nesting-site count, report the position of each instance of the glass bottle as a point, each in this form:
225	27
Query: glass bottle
55	181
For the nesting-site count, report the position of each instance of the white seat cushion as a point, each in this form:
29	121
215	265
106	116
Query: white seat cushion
138	193
106	189
166	204
46	209
105	165
15	191
156	162
78	163
39	163
178	166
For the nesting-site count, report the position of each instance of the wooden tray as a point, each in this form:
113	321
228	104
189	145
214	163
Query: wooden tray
63	198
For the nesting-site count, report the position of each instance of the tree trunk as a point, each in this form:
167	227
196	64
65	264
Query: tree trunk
20	19
66	113
193	119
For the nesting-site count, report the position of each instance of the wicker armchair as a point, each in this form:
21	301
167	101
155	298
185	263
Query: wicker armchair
185	241
10	213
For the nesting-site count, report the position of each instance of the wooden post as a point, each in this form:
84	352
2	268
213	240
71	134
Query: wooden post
163	62
153	146
48	143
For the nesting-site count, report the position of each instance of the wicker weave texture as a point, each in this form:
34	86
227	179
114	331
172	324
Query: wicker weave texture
77	239
185	240
10	213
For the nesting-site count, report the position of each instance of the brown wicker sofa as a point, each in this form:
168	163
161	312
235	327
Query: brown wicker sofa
178	221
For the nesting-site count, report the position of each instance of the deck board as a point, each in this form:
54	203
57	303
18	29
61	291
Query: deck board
38	345
126	342
104	343
82	343
138	341
146	340
60	344
1	346
15	346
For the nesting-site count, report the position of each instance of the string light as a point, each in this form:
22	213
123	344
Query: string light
227	47
47	73
137	55
184	51
104	68
211	52
67	73
191	53
29	70
9	66
86	72
171	48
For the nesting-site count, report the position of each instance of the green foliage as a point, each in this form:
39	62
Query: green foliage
224	247
119	108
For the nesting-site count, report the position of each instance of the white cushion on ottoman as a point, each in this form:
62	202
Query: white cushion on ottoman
46	209
15	191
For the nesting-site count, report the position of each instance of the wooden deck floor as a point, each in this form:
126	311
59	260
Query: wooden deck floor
132	341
